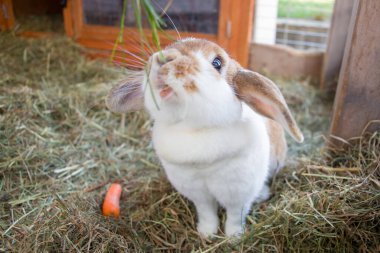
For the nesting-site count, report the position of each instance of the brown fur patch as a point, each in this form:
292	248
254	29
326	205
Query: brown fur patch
189	46
164	70
185	67
255	90
278	147
190	86
232	68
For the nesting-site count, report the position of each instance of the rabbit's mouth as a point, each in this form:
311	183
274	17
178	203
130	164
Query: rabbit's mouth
165	91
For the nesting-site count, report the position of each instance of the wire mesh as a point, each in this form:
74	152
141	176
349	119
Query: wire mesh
188	16
304	24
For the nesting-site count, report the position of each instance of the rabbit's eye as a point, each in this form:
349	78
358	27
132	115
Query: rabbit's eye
217	63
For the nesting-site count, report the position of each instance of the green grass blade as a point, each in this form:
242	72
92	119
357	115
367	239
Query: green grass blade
120	36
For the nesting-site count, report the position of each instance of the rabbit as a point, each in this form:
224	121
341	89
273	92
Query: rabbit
218	128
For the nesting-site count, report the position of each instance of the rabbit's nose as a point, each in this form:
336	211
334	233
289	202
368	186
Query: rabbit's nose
166	56
162	59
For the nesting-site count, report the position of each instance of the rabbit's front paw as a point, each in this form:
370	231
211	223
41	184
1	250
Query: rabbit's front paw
234	230
207	228
264	194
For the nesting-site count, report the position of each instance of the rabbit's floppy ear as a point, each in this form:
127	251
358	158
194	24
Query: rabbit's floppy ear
126	97
263	96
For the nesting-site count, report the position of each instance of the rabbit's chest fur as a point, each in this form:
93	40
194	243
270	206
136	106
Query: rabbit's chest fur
215	159
182	146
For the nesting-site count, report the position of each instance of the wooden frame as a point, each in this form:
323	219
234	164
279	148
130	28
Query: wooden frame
357	100
234	31
7	19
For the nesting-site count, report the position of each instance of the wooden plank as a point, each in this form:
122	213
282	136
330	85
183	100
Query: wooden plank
357	101
3	20
68	18
336	42
224	17
289	63
7	18
241	31
77	18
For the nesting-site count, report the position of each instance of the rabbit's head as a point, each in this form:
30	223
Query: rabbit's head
195	82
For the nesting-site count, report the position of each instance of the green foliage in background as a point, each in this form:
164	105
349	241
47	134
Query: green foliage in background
305	9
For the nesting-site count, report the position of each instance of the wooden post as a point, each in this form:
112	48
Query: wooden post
357	101
7	19
68	19
240	16
336	41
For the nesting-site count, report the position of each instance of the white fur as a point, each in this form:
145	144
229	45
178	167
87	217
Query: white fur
214	148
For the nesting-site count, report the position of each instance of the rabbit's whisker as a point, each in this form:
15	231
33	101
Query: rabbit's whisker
125	65
144	44
128	60
164	12
131	54
124	50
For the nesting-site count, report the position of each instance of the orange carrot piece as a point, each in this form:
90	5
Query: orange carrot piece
111	203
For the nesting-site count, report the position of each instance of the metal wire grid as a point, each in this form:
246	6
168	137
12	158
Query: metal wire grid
188	16
304	33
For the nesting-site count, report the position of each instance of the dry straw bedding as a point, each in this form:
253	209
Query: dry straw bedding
59	146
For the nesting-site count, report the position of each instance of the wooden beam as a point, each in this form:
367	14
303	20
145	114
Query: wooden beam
335	46
357	101
68	19
286	62
7	18
241	30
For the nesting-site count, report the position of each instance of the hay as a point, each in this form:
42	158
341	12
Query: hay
59	146
40	23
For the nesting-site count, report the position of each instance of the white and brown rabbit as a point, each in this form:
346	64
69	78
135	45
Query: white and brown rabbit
218	128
